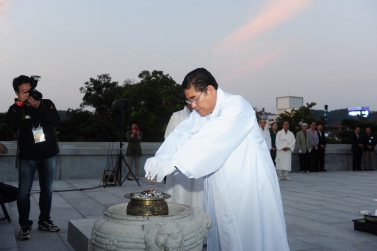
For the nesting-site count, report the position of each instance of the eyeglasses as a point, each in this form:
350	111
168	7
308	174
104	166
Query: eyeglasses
193	101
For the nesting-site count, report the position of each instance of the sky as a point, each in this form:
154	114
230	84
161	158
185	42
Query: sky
322	50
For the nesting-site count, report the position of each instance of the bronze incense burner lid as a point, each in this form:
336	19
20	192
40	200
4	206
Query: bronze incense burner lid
144	204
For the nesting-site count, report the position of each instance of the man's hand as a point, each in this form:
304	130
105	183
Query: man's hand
360	145
299	151
322	146
34	103
165	168
23	96
370	147
149	165
286	149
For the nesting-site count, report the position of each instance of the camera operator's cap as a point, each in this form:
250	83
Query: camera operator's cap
304	124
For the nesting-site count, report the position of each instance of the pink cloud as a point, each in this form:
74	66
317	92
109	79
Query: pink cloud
243	52
257	63
4	4
275	13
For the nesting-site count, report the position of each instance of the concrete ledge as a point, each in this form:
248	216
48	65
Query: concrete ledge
88	160
79	233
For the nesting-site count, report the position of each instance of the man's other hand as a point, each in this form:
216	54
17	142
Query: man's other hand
34	103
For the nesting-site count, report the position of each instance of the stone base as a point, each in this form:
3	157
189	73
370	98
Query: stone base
79	233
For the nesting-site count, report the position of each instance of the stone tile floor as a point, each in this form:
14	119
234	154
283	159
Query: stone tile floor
319	209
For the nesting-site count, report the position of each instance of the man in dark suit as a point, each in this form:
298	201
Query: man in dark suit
321	147
369	144
357	149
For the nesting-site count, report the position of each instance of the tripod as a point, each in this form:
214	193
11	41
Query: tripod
117	170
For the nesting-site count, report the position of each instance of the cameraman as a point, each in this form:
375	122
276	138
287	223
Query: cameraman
34	121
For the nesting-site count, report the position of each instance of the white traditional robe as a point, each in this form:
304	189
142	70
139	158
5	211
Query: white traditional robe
241	190
267	137
284	158
182	189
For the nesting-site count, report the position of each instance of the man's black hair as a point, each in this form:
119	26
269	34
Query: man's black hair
319	123
22	79
134	122
199	78
285	121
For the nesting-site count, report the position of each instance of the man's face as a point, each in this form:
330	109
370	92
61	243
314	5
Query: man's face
262	123
134	127
357	130
274	126
312	125
206	101
304	127
286	125
319	128
368	130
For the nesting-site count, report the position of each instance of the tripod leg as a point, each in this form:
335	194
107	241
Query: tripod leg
129	171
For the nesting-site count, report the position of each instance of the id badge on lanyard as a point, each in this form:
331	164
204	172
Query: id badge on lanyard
38	134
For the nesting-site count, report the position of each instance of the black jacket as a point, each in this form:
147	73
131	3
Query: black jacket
321	140
355	141
369	141
46	116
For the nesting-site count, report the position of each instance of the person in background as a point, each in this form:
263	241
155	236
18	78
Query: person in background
182	189
357	149
369	144
265	133
313	154
273	132
285	145
321	147
133	153
303	146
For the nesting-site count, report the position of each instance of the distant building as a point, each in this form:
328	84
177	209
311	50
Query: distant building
271	118
288	103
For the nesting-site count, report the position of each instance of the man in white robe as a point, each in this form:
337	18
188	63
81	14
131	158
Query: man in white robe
265	133
182	189
221	141
285	145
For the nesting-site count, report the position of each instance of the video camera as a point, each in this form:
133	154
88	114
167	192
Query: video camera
33	92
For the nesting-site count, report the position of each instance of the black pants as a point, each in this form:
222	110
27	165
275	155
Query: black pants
321	158
356	162
304	162
313	160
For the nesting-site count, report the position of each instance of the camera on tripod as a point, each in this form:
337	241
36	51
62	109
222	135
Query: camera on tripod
32	91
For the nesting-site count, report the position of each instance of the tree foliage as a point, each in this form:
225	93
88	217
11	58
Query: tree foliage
351	124
298	116
153	100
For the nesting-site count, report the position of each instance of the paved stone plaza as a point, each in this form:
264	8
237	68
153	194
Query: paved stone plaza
319	209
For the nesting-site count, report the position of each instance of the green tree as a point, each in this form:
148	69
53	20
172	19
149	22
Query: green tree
153	100
352	123
297	116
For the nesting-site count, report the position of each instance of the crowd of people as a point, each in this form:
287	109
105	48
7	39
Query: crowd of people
310	143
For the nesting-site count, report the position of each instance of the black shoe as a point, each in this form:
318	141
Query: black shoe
137	178
371	169
358	169
48	226
24	233
129	178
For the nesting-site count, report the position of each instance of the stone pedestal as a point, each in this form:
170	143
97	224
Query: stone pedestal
183	229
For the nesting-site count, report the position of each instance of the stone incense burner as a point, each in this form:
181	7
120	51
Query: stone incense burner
150	224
